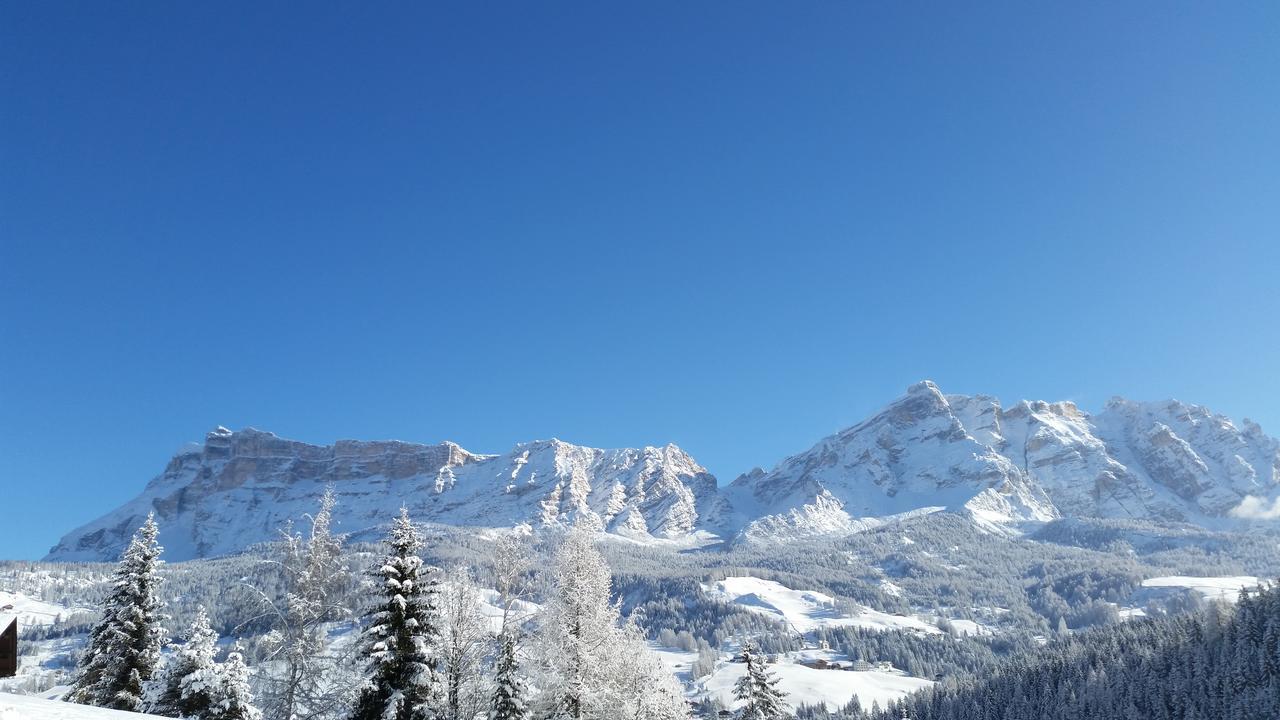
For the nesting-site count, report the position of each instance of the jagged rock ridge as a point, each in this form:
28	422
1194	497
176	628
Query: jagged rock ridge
926	451
240	488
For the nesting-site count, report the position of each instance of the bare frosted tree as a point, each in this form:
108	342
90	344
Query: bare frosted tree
298	680
511	566
591	666
465	642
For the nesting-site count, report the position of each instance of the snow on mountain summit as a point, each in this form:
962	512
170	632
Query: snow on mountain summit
924	452
1036	460
240	488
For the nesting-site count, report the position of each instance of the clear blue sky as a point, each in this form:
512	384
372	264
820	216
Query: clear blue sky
734	226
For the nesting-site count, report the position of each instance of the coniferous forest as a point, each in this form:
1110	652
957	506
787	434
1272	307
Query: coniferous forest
1221	663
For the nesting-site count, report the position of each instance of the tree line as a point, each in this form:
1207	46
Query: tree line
419	648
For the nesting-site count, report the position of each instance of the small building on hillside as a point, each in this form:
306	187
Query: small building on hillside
8	645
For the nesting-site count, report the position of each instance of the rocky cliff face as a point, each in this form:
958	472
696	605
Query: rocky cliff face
240	488
925	452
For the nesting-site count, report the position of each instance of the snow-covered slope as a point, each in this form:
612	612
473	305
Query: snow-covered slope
25	707
1209	588
925	452
916	453
1164	461
807	610
805	684
239	488
31	611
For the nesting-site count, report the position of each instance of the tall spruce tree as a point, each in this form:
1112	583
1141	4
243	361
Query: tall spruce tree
124	647
758	689
403	635
509	692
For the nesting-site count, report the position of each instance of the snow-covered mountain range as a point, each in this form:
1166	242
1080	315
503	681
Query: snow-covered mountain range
925	452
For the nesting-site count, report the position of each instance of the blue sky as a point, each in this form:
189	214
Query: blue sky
733	226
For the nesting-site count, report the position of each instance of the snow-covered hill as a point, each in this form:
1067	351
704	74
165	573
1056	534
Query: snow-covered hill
925	452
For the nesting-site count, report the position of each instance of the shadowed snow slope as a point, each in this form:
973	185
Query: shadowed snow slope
924	452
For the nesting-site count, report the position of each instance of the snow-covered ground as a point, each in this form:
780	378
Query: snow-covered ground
969	627
26	707
41	663
679	662
1210	588
806	610
1224	589
804	684
491	608
31	611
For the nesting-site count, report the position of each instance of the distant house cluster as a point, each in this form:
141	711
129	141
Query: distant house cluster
856	665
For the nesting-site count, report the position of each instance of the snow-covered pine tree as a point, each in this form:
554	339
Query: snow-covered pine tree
758	690
403	636
183	685
124	647
234	699
509	691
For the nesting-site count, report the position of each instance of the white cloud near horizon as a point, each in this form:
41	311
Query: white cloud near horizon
1257	508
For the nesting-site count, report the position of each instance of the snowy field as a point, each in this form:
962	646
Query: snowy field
806	610
679	662
969	627
42	663
804	684
1210	588
1224	589
24	707
31	611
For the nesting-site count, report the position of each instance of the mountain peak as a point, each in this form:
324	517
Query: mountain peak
925	387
